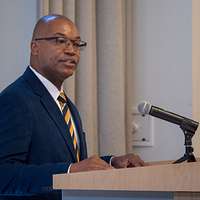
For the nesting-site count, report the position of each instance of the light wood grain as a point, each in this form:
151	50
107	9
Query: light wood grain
184	177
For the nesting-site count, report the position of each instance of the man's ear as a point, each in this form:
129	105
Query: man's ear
34	48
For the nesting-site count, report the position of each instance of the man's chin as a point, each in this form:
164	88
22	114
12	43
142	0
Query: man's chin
69	73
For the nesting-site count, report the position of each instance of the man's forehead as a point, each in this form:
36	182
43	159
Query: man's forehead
51	21
63	27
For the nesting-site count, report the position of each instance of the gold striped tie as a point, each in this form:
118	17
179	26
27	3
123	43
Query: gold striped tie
68	119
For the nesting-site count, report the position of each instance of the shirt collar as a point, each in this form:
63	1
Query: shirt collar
52	89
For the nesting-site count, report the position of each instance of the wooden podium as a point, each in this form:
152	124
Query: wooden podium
160	181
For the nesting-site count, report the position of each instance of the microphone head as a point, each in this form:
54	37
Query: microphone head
144	108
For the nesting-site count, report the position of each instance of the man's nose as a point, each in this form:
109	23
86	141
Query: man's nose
69	48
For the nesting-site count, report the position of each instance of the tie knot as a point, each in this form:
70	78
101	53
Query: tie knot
62	99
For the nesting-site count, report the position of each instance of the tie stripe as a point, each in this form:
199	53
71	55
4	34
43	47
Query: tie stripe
68	119
71	130
67	116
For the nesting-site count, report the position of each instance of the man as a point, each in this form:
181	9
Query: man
41	132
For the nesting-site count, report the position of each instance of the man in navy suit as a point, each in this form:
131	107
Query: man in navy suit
35	140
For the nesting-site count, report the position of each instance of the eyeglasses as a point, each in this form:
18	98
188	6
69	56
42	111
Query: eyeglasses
64	42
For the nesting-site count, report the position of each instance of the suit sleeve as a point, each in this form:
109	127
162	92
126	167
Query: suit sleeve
106	158
16	176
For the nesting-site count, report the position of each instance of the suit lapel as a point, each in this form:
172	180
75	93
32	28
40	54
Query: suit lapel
58	118
51	108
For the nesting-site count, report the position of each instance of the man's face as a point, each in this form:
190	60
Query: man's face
57	58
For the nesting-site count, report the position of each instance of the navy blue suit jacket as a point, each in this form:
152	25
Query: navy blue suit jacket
34	140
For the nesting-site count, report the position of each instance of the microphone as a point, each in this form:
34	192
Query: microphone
186	123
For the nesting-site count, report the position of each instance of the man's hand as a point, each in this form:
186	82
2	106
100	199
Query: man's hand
129	160
92	163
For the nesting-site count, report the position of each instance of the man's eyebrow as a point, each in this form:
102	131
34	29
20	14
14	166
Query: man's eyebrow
60	34
63	35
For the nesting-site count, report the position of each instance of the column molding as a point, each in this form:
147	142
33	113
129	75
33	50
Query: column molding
86	77
111	76
42	8
56	6
129	72
196	70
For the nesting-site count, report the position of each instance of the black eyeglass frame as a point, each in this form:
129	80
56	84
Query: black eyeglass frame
82	43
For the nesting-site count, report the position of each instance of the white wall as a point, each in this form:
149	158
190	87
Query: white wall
160	70
17	18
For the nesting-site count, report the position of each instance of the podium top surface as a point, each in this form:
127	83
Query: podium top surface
184	177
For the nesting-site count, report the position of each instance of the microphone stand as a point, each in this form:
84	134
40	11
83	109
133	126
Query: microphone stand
188	133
